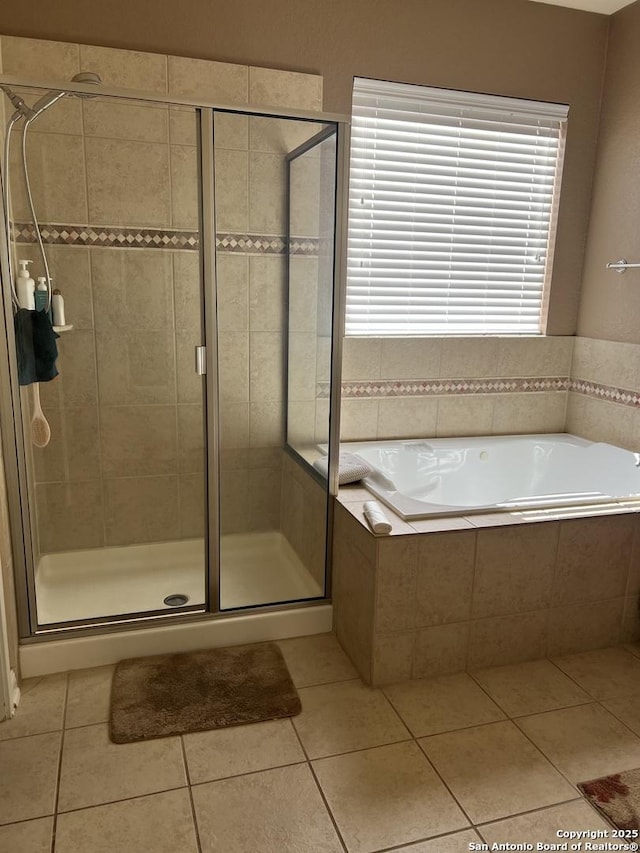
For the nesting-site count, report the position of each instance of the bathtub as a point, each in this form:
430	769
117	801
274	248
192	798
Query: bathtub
450	476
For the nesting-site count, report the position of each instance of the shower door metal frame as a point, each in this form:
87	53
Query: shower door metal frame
14	455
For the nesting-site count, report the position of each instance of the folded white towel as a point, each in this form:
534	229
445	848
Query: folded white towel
376	517
351	468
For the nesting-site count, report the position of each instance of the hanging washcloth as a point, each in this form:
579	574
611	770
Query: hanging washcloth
36	347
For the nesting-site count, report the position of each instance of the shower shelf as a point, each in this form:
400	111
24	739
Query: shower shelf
66	328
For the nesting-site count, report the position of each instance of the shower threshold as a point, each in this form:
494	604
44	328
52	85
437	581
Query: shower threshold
256	568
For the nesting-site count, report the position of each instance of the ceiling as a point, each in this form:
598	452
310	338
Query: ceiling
605	7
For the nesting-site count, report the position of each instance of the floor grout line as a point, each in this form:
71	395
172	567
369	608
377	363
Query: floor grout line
54	827
187	774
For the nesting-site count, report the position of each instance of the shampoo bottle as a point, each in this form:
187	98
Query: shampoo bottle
57	305
26	287
42	294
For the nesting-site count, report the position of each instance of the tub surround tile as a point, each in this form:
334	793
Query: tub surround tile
448	703
518	778
531	687
396	587
580	628
468	358
515	569
407	418
412	802
446	563
507	639
392	660
410	358
441	650
584	742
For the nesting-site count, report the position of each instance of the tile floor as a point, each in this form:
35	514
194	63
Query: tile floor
427	766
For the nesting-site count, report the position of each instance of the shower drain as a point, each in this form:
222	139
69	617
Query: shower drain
176	600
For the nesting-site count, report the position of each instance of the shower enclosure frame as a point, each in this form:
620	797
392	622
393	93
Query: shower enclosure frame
21	510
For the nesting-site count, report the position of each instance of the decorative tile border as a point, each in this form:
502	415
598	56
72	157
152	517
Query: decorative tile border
438	387
161	238
608	393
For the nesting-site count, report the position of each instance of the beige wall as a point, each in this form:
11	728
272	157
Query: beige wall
508	47
610	303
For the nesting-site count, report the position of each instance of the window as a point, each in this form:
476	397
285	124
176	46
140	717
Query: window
452	209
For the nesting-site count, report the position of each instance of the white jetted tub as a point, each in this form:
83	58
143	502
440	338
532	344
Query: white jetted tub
422	478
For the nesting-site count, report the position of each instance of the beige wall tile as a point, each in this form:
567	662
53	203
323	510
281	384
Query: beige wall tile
445	577
230	131
232	190
301	372
508	639
608	362
515	569
57	175
279	135
600	420
73	452
188	291
138	441
125	120
304	195
266	424
594	555
192	506
468	357
76	383
129	69
267	277
441	650
410	358
191	427
408	417
465	415
232	285
219	82
136	366
396	584
541	356
70	516
264	498
531	412
234	503
39	58
270	87
630	632
266	379
584	627
65	118
141	509
185	187
301	423
183	126
392	658
128	182
267	193
361	358
234	425
358	419
233	366
132	289
303	294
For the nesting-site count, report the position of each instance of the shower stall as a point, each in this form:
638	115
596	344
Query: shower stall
197	250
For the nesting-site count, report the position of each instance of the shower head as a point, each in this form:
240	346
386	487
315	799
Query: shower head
55	95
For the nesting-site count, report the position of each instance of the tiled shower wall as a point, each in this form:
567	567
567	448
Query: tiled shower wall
125	462
604	401
412	387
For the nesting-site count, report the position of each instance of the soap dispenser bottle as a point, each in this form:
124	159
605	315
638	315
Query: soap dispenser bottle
26	287
42	294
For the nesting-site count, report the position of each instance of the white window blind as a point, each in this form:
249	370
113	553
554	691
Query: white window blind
452	208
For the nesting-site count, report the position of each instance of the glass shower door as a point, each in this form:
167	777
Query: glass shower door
118	494
273	510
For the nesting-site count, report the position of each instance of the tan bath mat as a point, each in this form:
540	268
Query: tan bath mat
195	691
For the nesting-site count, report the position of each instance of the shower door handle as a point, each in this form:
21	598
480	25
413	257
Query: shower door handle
201	360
